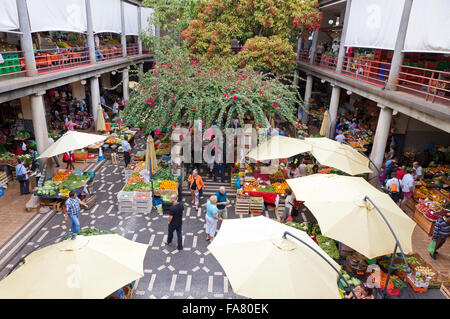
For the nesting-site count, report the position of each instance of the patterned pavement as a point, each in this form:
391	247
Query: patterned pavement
169	273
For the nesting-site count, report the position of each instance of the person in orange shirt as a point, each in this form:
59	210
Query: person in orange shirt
196	185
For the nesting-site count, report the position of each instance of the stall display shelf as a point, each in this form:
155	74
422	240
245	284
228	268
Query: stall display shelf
126	208
424	222
242	206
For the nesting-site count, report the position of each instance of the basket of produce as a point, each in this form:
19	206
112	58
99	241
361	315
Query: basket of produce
266	189
140	186
168	185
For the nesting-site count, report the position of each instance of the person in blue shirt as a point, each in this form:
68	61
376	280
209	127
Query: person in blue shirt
222	202
212	217
72	209
22	176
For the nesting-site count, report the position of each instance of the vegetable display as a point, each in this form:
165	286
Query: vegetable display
328	245
138	186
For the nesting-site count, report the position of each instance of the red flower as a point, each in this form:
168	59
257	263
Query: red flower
259	125
174	125
234	97
203	123
226	95
156	73
261	92
178	105
125	102
247	103
243	117
244	76
276	104
195	108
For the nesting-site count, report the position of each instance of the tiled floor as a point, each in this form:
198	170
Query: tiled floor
12	208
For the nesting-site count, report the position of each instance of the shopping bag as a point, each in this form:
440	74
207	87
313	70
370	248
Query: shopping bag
431	247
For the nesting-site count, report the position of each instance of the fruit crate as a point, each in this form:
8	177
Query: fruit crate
416	285
242	206
445	289
256	205
125	197
142	198
143	210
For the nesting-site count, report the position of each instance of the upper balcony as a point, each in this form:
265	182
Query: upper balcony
59	59
430	84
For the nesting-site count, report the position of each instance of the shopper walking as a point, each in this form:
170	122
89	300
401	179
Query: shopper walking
393	187
175	221
69	158
196	185
22	177
222	202
407	187
126	151
288	206
440	233
72	211
116	107
212	217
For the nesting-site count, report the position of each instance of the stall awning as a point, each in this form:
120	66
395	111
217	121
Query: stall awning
146	24
429	27
57	15
106	16
131	19
9	19
374	23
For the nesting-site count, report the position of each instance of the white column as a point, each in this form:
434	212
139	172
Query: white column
308	91
90	33
126	81
333	111
26	40
344	33
140	29
397	58
123	37
381	137
315	36
95	96
39	122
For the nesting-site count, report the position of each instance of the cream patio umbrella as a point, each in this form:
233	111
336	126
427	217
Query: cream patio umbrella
89	267
344	207
72	140
259	263
324	127
341	156
100	125
279	147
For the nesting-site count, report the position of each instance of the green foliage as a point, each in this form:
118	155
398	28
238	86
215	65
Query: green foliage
276	23
181	89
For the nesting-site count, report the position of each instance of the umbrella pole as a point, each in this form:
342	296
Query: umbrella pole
36	248
150	165
328	262
408	270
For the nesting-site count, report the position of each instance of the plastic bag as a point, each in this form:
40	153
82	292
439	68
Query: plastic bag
238	183
432	247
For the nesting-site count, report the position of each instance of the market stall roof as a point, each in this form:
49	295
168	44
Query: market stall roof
339	205
72	140
341	156
87	267
279	147
259	263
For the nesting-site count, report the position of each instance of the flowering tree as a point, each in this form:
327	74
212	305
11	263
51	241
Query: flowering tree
267	28
181	89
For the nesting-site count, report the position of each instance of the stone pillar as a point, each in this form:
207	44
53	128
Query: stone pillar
333	110
123	37
140	29
126	81
39	123
95	96
308	91
106	80
397	58
26	108
315	36
380	139
344	33
26	39
90	33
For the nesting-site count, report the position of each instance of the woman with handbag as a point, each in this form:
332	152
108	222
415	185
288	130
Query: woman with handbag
196	185
22	177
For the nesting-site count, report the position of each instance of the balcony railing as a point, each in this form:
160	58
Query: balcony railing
328	61
12	64
371	71
132	49
303	56
58	59
110	52
432	84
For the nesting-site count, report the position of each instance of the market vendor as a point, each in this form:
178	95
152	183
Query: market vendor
362	292
419	171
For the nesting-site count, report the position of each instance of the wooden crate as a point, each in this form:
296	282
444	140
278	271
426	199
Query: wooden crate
5	179
411	203
445	289
54	204
242	206
91	201
424	222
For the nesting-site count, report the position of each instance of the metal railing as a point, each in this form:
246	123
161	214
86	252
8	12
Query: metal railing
51	60
132	49
303	56
433	85
327	61
371	71
110	52
12	64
